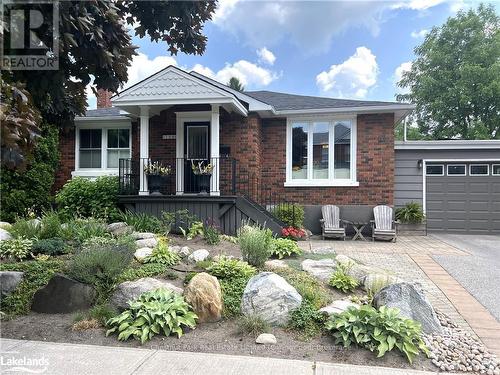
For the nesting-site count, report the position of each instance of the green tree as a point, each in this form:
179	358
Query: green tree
94	43
455	78
236	84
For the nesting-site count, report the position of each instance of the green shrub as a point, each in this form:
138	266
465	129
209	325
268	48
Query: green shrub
16	248
211	233
253	325
25	228
342	280
411	213
161	254
86	198
180	217
308	286
230	268
143	222
36	275
255	244
195	230
101	266
31	190
50	246
232	291
80	230
146	270
290	214
307	320
156	312
284	247
50	225
108	241
228	238
377	330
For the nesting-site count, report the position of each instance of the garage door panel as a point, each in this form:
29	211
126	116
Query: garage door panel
456	206
479	187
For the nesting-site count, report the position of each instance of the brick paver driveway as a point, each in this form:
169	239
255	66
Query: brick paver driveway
412	259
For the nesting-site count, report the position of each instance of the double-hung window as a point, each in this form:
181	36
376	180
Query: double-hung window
118	146
321	152
90	148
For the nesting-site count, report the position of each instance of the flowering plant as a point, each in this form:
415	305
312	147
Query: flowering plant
200	169
293	233
156	168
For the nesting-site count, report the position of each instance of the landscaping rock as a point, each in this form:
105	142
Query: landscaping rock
5	225
322	250
411	302
275	263
142	253
198	255
147	242
321	269
269	296
183	251
4	235
63	295
204	294
142	235
376	281
337	307
115	226
9	280
356	270
131	290
266	339
35	222
119	229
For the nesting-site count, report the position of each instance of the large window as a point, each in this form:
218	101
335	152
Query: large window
321	152
102	148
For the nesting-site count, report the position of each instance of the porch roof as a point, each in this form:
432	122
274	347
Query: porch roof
173	86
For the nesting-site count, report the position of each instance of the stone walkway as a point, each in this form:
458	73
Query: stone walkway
410	258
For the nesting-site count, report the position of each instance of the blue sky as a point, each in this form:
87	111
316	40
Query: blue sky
347	49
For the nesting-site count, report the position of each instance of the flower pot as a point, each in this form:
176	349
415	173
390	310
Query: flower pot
412	229
155	183
204	183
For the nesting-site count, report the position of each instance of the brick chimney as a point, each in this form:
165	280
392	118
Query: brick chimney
104	98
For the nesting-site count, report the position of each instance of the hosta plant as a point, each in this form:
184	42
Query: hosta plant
162	254
342	280
194	230
229	268
17	248
377	330
156	312
284	247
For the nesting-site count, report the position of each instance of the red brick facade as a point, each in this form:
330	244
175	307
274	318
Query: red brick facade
104	98
66	157
258	145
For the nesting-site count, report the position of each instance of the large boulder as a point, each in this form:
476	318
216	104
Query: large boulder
63	295
412	304
146	242
5	225
142	235
183	251
321	269
131	290
337	307
4	235
9	280
374	282
270	297
204	294
198	256
119	229
143	253
356	270
275	263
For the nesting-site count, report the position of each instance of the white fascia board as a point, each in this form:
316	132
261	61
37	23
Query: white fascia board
448	145
363	109
102	118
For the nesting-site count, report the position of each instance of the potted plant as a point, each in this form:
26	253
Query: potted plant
156	173
411	219
203	175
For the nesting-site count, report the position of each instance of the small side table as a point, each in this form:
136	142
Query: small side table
358	229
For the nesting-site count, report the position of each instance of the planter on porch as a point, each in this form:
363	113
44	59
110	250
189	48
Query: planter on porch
204	183
412	229
155	183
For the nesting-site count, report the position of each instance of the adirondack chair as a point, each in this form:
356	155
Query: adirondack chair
332	225
384	226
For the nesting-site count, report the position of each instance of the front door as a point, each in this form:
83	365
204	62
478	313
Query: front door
196	150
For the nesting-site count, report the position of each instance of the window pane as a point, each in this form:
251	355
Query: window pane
342	154
90	138
434	170
479	169
115	155
495	169
90	158
458	170
123	138
320	150
299	151
113	138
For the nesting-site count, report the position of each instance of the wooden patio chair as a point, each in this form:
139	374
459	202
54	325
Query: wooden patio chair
332	225
384	226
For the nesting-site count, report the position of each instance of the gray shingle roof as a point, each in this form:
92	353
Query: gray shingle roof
103	112
281	101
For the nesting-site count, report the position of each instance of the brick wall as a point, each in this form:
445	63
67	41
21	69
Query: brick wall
66	157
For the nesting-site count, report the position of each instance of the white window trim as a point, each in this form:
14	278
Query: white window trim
309	182
456	165
477	174
103	171
435	165
493	168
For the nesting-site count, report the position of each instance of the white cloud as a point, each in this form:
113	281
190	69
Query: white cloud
352	78
142	66
417	4
266	56
398	74
419	34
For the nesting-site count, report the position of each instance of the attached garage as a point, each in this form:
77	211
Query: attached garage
457	183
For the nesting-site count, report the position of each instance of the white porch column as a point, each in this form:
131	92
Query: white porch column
179	154
214	150
144	149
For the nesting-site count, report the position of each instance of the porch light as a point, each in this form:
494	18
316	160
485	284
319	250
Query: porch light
419	163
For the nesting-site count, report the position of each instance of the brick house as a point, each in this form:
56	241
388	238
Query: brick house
267	147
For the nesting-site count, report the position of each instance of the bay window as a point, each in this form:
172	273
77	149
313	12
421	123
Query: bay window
321	152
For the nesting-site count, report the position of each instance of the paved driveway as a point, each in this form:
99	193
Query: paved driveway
478	273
